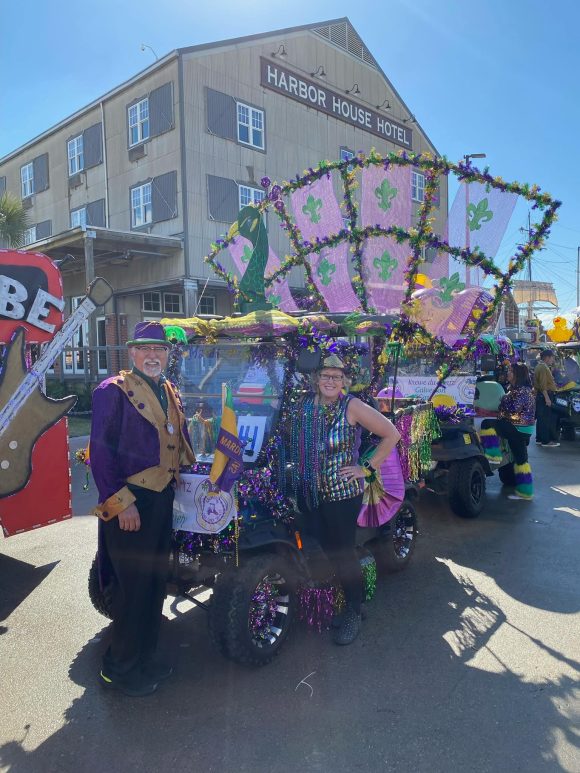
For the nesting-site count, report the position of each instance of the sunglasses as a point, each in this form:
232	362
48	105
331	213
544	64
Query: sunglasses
152	349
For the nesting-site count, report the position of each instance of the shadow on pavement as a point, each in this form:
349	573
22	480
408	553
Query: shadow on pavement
425	688
17	581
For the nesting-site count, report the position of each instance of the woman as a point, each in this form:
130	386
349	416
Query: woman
515	423
328	481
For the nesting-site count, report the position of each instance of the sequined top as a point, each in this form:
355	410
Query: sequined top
342	449
518	406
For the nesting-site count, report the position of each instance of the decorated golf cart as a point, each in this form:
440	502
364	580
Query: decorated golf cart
367	283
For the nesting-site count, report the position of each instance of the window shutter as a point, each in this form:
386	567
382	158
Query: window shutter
164	197
223	199
43	230
2	185
93	145
96	213
161	110
221	114
40	170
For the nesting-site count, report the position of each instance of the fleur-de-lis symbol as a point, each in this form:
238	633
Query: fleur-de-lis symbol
247	254
385	194
385	265
478	214
325	270
449	287
311	208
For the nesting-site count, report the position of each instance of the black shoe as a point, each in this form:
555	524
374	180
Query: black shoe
134	687
157	670
339	617
349	627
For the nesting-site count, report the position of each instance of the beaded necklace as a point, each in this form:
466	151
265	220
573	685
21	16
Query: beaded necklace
308	437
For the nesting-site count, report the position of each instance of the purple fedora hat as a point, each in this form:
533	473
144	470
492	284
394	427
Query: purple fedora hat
149	333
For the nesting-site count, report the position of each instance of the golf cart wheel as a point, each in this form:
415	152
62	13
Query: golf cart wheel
568	432
466	482
394	549
102	600
252	609
507	474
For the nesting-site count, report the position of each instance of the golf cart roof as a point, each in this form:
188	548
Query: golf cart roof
571	346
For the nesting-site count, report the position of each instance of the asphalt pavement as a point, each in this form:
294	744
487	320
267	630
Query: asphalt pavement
469	660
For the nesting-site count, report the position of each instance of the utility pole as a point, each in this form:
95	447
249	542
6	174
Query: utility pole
528	230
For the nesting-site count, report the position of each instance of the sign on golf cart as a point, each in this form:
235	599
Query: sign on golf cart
199	508
455	390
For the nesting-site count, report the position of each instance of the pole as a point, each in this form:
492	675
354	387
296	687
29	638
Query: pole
467	268
92	323
578	279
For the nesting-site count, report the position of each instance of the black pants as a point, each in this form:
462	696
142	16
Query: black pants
333	525
546	421
518	441
140	562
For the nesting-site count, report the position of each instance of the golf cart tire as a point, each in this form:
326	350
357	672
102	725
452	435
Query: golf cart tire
568	432
394	549
507	474
231	606
466	477
102	600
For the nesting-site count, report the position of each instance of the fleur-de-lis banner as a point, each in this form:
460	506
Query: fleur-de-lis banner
481	218
278	294
386	201
318	214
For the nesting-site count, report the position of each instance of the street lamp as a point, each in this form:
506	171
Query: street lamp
467	157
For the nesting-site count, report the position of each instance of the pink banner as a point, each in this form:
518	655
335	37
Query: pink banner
386	196
278	294
444	313
385	263
385	201
317	215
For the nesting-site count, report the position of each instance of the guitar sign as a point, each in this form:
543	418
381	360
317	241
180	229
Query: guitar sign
34	463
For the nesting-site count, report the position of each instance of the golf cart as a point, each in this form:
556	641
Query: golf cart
246	547
567	400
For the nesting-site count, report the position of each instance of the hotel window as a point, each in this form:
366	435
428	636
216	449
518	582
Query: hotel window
206	305
27	180
139	122
75	155
152	302
417	186
248	195
141	211
172	303
78	218
250	126
29	236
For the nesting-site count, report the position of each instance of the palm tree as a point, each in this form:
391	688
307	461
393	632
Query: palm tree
13	220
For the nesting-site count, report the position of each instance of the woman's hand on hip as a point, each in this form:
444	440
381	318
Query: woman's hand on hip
353	472
129	518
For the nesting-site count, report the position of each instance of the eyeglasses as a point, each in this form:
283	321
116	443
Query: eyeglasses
326	377
152	349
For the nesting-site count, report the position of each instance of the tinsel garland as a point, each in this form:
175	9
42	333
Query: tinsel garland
317	604
419	237
418	426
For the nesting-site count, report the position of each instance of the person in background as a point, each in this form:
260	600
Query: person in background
515	423
324	448
545	386
138	442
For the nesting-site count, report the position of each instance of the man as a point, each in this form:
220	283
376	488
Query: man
138	442
545	386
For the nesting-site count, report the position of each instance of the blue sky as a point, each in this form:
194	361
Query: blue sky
498	76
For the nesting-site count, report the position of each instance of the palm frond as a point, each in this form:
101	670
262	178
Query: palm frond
13	220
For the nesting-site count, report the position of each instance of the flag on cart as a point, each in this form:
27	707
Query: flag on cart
228	463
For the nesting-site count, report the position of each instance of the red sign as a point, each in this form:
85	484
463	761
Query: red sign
34	459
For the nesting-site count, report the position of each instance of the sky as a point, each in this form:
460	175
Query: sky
497	76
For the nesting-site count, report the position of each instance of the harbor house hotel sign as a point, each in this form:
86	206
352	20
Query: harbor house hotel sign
319	97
